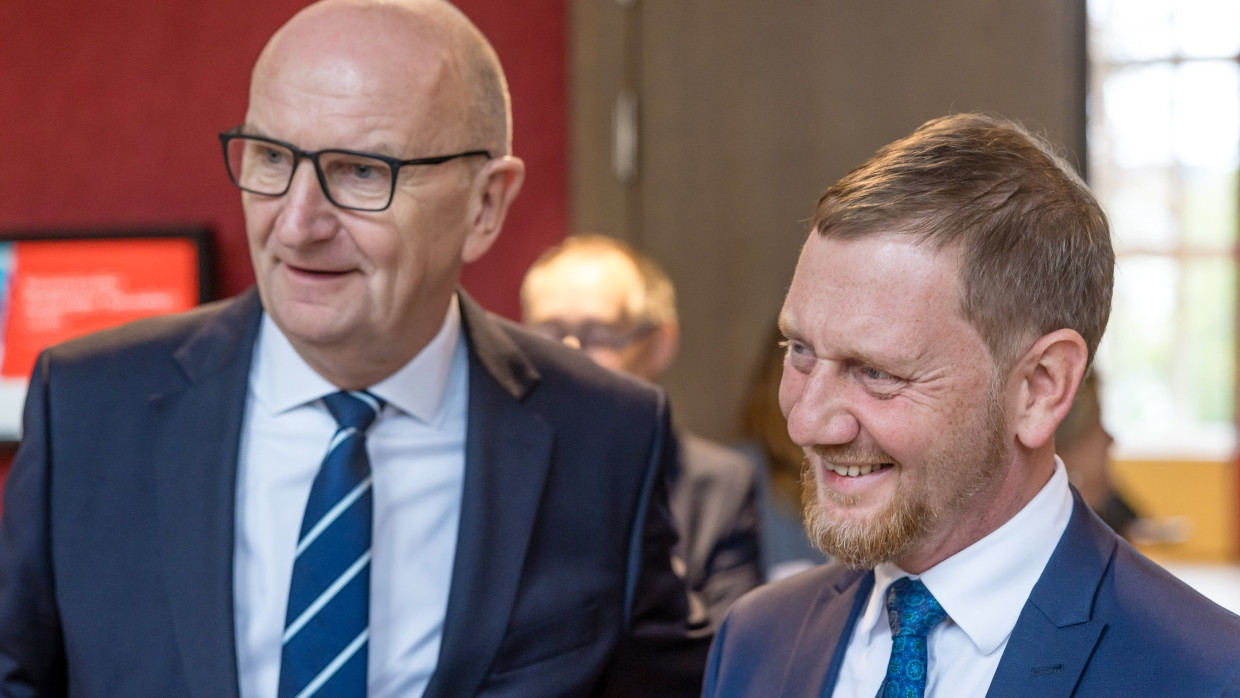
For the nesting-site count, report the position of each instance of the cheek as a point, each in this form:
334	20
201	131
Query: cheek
790	387
901	434
258	220
390	250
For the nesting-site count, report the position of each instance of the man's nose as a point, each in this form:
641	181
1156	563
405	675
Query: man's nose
817	408
307	213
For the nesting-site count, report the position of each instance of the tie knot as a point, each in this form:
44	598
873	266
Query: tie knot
355	408
911	609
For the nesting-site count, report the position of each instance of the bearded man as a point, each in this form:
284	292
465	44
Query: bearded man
942	314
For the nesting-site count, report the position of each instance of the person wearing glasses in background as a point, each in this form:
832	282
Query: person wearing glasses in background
599	295
352	481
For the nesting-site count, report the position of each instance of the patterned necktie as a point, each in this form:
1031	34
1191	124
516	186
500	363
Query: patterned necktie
325	629
911	612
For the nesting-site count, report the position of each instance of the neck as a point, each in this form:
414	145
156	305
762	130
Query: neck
1013	487
365	360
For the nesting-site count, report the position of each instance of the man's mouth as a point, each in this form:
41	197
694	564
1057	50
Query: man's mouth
855	470
313	271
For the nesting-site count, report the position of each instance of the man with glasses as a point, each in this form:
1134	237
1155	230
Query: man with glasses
599	295
351	481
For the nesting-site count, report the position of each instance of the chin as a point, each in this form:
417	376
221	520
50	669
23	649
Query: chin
862	537
312	324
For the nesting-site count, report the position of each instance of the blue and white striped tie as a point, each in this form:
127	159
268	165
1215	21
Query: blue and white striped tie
326	627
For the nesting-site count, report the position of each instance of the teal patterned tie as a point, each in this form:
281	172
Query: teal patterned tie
911	611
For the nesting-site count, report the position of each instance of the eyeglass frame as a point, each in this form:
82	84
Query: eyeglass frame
621	339
394	164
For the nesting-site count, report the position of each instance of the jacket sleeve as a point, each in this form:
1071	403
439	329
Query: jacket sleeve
714	502
32	659
664	650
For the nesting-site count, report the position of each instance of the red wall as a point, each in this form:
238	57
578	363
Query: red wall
109	111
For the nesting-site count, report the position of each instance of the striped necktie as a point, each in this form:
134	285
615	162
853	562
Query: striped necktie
912	611
326	626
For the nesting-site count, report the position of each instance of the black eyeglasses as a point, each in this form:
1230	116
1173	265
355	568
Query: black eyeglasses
591	335
350	179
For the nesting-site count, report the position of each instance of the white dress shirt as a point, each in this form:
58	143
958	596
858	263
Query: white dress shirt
983	589
417	456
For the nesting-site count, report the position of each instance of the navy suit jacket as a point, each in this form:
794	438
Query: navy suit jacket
714	504
1102	620
116	546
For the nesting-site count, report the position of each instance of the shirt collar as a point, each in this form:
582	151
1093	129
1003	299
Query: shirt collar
282	380
984	587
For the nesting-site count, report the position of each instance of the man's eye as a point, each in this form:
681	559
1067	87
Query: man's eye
798	356
875	374
794	347
274	156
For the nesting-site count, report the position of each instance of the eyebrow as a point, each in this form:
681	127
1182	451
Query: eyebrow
384	149
784	324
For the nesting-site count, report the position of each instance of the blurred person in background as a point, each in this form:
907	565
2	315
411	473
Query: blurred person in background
599	295
1084	445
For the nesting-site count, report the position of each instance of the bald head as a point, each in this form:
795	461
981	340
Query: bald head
386	124
637	287
424	51
598	294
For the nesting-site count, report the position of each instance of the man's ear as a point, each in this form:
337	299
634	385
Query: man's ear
494	188
1048	375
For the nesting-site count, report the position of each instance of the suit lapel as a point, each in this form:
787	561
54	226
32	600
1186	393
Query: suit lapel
507	456
811	671
194	432
1056	633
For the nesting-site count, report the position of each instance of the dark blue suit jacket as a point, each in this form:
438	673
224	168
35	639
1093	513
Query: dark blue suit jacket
714	504
1101	621
116	546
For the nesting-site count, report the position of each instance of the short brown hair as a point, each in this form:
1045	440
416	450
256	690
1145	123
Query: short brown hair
1034	244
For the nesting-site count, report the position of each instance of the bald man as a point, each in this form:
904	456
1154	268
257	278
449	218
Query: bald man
599	295
351	481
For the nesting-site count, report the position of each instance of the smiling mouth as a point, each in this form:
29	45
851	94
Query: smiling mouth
314	272
855	470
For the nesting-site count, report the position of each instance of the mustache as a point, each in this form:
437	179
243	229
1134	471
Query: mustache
850	455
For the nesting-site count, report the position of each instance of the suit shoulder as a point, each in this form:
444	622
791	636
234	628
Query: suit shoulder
156	352
703	458
1141	591
1189	642
792	596
766	629
162	331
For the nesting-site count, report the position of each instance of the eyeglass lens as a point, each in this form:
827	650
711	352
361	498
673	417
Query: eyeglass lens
595	336
352	180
